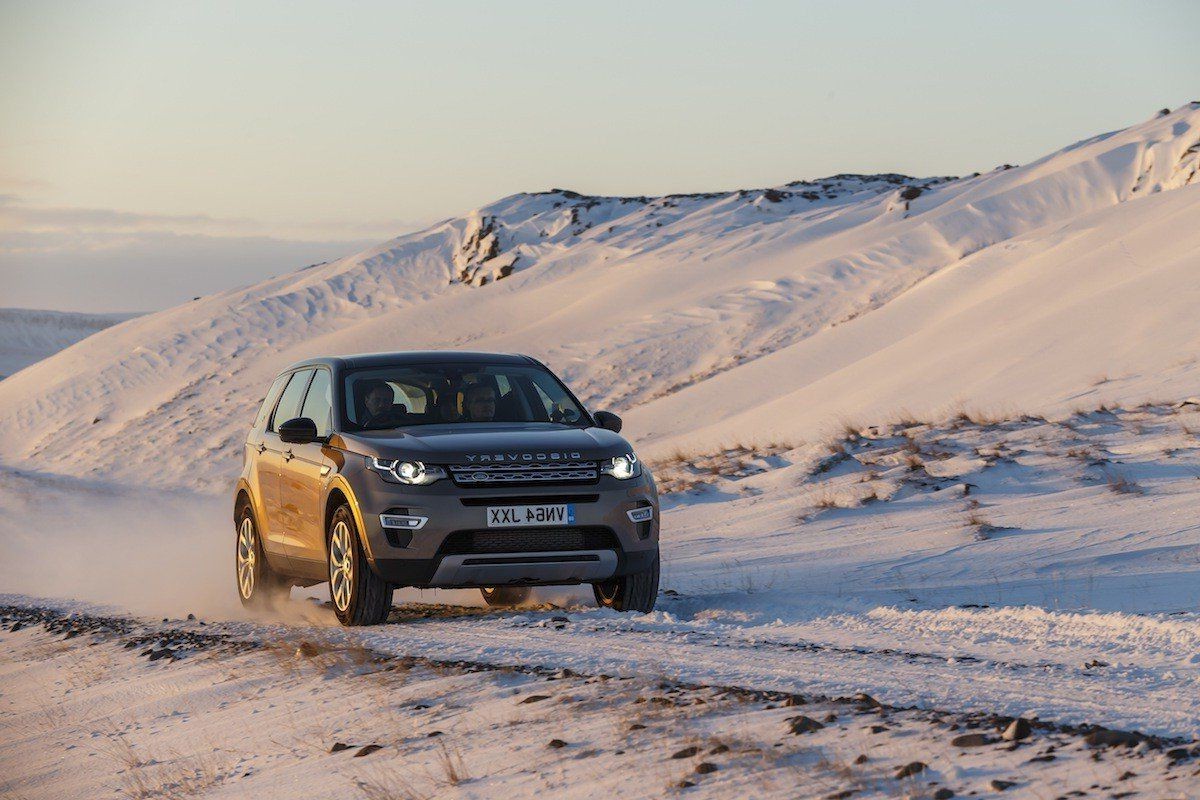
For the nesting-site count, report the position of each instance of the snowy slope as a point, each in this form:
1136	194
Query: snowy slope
748	312
28	335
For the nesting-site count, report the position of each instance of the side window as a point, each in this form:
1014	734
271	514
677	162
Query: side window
289	403
318	404
268	402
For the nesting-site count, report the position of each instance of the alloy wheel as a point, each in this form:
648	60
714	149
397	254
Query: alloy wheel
341	565
247	554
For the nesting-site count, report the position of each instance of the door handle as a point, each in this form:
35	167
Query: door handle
288	455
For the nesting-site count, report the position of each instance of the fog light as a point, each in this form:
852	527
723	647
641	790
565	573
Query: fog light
403	521
641	514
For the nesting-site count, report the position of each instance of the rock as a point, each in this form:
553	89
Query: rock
910	769
971	740
535	698
366	750
721	748
307	650
637	726
686	752
191	617
1041	758
831	717
943	794
165	652
1178	753
878	728
794	700
705	767
862	759
1019	729
339	747
16	626
864	699
802	724
1001	786
1126	775
685	784
556	744
1102	737
842	795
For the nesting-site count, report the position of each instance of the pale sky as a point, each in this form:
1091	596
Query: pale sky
154	151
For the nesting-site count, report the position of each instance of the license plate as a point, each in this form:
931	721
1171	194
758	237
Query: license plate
524	516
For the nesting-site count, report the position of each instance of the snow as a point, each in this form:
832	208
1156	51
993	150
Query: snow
93	716
931	439
28	336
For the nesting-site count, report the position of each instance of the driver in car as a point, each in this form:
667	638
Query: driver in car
480	403
378	402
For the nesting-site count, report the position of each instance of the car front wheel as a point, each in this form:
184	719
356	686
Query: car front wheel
360	597
635	592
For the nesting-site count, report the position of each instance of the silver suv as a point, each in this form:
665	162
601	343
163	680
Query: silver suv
439	469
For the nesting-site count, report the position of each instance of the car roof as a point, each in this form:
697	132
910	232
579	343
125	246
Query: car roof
407	357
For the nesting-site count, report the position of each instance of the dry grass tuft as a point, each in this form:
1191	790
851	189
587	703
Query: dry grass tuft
977	520
828	500
1122	484
453	768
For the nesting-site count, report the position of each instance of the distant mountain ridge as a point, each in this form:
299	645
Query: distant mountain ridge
29	335
686	312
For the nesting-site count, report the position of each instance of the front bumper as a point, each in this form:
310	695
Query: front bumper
433	554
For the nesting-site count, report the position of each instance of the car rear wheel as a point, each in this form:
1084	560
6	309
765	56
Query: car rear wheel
635	592
360	597
258	585
505	595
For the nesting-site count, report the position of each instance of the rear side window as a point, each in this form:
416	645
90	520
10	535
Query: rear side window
289	403
268	402
318	404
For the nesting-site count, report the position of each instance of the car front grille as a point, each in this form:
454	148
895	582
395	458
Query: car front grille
529	540
553	472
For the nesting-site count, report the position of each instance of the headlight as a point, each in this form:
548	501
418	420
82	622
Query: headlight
412	473
623	467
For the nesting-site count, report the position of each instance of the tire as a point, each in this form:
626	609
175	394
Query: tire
359	596
505	595
635	592
259	586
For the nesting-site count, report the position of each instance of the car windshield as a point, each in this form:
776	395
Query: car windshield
398	397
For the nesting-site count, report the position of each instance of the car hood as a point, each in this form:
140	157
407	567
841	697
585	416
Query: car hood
495	443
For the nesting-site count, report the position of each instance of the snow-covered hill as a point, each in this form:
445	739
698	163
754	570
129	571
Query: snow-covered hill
28	335
704	317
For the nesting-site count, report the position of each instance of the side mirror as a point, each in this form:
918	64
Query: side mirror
608	420
300	430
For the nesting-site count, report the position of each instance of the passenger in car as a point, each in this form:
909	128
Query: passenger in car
479	403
